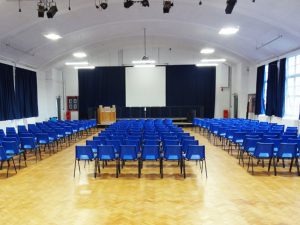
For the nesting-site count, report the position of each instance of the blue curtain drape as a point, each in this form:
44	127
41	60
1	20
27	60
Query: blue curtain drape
101	86
281	88
26	93
259	103
272	87
7	93
189	85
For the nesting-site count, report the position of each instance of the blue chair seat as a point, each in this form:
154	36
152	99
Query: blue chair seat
84	157
173	157
8	157
106	157
11	152
128	157
150	157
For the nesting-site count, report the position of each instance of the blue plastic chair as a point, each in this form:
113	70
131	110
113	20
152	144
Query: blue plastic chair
196	153
105	153
263	151
43	139
174	153
151	153
83	153
11	148
287	151
128	153
4	157
29	144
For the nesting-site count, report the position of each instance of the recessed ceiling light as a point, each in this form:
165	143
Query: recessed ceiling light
213	60
207	51
206	64
76	63
144	66
84	67
143	61
229	30
79	54
52	36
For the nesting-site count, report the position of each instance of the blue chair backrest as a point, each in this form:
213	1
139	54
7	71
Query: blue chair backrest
106	152
195	152
264	150
294	140
150	152
3	155
84	152
27	142
115	143
173	152
187	138
287	150
11	146
267	136
170	142
275	141
250	143
151	142
285	137
128	152
187	143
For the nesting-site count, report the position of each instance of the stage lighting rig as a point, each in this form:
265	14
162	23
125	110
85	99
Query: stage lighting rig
128	3
52	9
145	3
167	6
229	6
101	4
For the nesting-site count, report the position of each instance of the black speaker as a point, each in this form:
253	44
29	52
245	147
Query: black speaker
191	115
92	112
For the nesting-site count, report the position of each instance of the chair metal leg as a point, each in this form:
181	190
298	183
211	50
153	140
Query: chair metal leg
297	165
275	164
139	168
74	167
248	164
79	166
95	170
8	165
269	166
161	168
14	165
252	166
291	166
205	167
183	165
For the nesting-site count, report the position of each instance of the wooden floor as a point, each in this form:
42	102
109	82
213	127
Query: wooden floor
47	193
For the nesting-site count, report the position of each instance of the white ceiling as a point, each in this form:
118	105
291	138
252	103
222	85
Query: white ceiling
187	24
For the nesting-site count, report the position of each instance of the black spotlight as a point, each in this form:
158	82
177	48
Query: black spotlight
230	6
41	10
167	6
128	3
52	10
103	5
145	3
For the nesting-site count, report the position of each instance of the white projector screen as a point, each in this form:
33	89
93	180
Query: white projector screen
145	86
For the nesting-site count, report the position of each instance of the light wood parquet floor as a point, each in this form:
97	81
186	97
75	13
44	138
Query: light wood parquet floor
47	193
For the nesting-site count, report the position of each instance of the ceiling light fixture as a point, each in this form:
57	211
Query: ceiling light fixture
207	51
145	3
101	4
167	6
144	66
229	30
79	55
84	67
128	3
76	63
213	60
229	6
52	36
206	64
145	59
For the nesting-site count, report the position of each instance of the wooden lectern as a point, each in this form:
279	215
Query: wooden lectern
106	115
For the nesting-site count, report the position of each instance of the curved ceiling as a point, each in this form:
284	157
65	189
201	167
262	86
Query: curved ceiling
188	25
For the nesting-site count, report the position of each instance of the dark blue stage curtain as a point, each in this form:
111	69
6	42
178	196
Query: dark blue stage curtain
188	85
271	105
259	103
26	93
281	88
7	93
101	86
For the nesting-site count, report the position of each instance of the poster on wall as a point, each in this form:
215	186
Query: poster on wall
72	103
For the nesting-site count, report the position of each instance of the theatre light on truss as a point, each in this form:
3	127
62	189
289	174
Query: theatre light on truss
128	3
168	4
